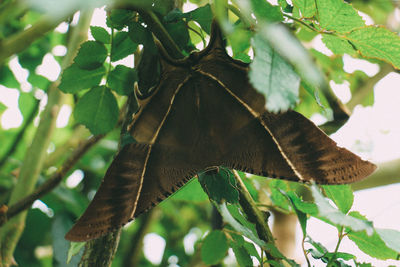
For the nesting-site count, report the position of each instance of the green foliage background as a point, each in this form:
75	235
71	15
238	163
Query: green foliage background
100	89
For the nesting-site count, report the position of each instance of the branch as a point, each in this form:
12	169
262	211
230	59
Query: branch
19	136
19	41
388	173
368	86
36	153
52	182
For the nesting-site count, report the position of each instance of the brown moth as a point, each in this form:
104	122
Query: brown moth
204	112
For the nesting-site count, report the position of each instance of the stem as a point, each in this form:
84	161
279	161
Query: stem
19	136
36	153
305	252
160	32
19	41
331	261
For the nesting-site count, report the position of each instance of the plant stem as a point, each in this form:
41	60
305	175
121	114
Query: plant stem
36	153
19	136
331	260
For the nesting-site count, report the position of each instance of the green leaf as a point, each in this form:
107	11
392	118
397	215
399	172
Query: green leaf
61	224
75	79
376	42
372	245
338	45
336	217
121	79
342	195
214	247
38	81
7	78
242	256
306	7
204	16
273	76
264	10
278	187
336	15
74	249
100	34
220	185
300	215
179	32
391	238
119	18
97	110
192	191
91	55
246	231
2	108
122	46
26	103
138	33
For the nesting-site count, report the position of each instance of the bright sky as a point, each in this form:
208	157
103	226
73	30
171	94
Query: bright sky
376	130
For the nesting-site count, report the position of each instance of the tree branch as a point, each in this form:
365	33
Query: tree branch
387	173
52	182
36	153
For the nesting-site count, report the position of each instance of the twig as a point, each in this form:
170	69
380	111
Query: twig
19	136
55	179
19	41
160	32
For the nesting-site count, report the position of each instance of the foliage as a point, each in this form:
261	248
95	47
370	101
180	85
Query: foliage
98	83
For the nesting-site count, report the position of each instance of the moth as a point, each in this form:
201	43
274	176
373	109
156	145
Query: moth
203	113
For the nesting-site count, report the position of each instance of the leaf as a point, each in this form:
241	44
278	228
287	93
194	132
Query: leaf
2	108
220	185
376	42
179	32
342	195
336	15
122	46
264	10
227	216
372	245
214	247
100	34
204	16
91	55
325	210
26	103
242	256
338	45
97	110
391	238
61	223
74	249
300	215
75	79
7	78
192	191
121	79
278	188
139	34
306	7
38	81
119	18
273	76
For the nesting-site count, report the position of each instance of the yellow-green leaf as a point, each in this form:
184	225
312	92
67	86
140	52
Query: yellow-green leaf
336	15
